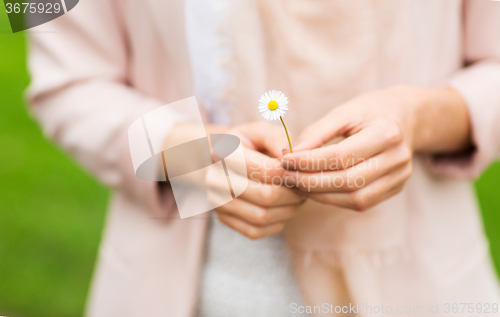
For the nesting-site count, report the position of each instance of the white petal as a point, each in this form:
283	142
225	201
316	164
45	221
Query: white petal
272	95
281	100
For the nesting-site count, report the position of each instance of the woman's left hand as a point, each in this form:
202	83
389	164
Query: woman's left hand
382	130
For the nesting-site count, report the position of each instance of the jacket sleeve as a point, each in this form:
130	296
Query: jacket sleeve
80	95
479	85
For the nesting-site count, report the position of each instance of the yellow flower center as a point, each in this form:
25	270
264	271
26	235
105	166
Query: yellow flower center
272	105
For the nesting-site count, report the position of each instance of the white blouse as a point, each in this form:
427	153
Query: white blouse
240	277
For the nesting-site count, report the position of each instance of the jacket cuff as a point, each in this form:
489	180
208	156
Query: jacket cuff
479	86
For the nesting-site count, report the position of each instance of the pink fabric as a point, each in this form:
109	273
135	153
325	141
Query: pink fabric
98	68
304	50
110	61
479	85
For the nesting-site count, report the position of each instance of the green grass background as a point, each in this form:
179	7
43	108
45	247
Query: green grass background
52	212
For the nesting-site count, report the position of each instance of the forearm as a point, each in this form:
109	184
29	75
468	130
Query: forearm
441	121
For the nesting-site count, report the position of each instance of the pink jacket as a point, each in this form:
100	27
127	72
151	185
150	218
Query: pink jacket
109	61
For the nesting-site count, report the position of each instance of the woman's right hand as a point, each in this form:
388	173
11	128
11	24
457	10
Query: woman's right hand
265	206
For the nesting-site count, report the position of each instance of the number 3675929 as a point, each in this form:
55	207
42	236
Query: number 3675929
33	7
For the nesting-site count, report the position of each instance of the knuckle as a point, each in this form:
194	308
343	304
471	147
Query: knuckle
261	217
393	133
359	202
341	156
408	171
266	196
404	155
254	233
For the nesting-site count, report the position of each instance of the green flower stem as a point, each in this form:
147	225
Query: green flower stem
287	136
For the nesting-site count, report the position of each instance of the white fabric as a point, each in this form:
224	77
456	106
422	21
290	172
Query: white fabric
240	277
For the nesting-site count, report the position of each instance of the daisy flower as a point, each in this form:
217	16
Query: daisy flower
272	105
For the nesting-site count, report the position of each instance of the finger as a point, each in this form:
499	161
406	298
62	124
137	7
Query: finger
262	167
368	196
349	152
251	231
353	178
257	193
259	167
256	215
265	137
322	131
274	195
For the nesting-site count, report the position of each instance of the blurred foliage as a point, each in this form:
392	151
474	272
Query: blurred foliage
52	212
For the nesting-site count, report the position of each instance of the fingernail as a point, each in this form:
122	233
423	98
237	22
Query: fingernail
285	151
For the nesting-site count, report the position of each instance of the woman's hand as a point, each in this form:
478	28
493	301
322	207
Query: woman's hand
265	206
382	130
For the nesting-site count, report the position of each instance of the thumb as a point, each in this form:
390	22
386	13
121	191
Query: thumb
277	142
265	137
321	132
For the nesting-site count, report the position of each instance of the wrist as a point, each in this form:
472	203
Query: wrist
439	119
412	100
